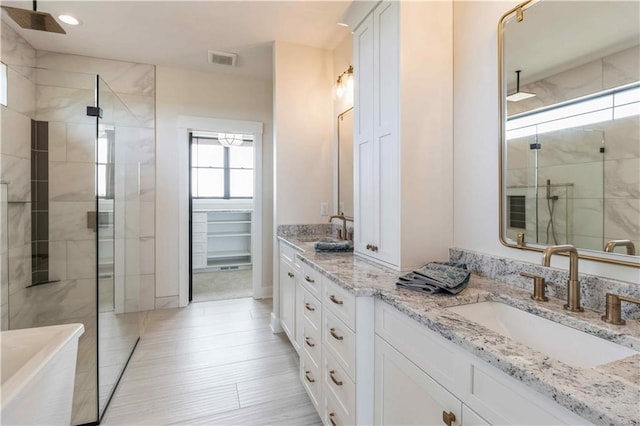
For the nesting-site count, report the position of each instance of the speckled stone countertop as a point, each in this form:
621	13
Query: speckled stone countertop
607	394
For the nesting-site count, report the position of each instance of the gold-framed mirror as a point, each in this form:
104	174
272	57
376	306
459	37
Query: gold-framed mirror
569	80
345	163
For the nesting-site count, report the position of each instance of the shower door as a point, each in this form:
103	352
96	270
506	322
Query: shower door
118	221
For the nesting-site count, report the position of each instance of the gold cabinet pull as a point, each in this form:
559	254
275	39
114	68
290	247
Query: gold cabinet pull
309	342
372	247
335	335
309	307
308	279
335	300
332	374
448	418
333	422
290	274
308	377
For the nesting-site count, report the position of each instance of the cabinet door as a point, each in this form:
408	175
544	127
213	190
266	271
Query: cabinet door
365	191
386	105
288	299
406	395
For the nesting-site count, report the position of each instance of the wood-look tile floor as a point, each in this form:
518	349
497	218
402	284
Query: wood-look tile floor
212	363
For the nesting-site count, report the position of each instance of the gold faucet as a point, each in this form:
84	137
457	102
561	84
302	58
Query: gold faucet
631	248
573	284
613	313
342	233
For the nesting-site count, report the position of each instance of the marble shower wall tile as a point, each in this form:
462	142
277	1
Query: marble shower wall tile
66	299
621	68
16	134
71	181
58	142
15	50
80	142
68	220
19	220
63	104
622	219
622	138
123	77
58	260
81	259
593	288
16	172
622	178
21	93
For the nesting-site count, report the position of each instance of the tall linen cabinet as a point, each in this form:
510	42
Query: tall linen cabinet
403	133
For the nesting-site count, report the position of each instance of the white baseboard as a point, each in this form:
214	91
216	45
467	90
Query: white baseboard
263	293
275	324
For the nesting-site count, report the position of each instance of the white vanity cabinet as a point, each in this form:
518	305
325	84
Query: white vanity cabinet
289	273
335	335
421	378
403	133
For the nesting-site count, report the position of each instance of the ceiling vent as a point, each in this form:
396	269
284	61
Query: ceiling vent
222	58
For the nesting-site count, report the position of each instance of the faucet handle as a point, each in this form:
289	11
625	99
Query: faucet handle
613	308
539	287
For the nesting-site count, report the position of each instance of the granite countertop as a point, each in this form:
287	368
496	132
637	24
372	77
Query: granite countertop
606	394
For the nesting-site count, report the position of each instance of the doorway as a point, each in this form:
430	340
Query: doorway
221	207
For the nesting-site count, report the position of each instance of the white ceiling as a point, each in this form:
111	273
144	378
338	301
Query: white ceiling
559	35
179	33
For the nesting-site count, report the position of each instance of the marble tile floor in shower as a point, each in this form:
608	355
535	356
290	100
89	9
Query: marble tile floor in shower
212	363
222	285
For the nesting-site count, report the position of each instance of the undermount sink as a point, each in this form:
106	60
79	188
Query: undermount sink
573	347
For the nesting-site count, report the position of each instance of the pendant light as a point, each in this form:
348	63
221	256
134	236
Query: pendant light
230	139
518	95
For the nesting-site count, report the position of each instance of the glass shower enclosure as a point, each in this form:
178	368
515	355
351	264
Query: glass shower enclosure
70	204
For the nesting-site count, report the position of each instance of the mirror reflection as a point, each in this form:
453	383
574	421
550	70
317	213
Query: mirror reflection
571	142
345	163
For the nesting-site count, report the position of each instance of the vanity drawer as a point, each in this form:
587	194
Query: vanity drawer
340	302
341	342
312	281
311	308
311	341
339	384
311	378
288	252
335	414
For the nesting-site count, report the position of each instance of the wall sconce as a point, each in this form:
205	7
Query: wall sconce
344	79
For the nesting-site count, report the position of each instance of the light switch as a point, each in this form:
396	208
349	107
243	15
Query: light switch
324	209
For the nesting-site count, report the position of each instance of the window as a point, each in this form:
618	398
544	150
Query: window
612	104
105	161
219	170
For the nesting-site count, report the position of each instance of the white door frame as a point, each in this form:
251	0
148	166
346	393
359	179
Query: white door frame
186	125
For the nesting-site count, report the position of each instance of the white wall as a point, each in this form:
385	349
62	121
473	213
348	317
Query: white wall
303	126
476	132
342	58
181	92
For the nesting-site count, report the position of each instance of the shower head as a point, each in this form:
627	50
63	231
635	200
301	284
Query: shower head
34	20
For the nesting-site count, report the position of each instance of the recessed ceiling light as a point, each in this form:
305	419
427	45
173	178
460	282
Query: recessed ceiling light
68	19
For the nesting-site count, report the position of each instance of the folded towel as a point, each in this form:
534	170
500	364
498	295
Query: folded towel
332	246
436	277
